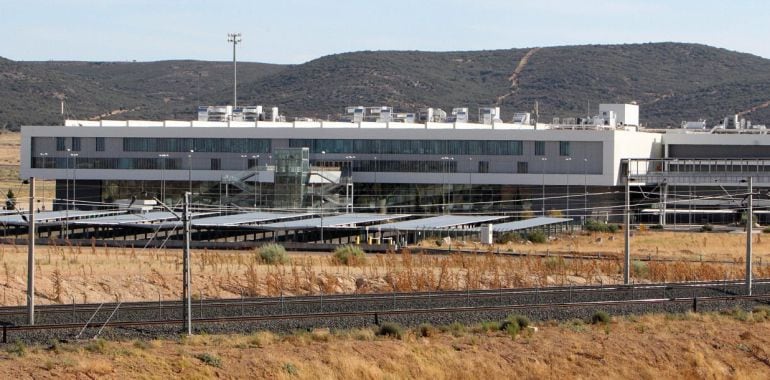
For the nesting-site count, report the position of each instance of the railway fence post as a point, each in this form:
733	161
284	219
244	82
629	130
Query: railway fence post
570	293
695	304
160	307
201	302
73	310
322	301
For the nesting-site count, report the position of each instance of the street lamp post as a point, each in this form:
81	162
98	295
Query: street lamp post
323	178
543	160
256	179
74	179
445	160
585	188
348	188
569	167
163	157
44	164
189	172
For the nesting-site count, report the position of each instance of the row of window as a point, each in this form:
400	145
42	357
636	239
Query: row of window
231	145
456	147
212	145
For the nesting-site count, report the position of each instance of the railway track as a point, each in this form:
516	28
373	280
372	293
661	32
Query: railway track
271	306
287	313
348	319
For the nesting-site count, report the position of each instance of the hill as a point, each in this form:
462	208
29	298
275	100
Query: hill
30	92
671	82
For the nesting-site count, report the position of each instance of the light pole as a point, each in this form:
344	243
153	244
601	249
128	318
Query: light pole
569	167
348	186
189	172
543	160
74	179
445	160
585	188
470	179
163	157
235	38
256	179
67	203
323	178
44	158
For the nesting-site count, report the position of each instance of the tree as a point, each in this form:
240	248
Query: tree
10	201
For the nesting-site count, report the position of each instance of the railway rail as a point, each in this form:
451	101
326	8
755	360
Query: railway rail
286	313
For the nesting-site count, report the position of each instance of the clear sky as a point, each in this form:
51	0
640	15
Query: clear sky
295	31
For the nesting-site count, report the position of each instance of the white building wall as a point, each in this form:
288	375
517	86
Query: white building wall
627	114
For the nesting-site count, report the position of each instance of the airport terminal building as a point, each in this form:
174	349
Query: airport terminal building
420	163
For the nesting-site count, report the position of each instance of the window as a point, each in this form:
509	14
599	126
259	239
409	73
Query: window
100	144
76	144
539	148
564	148
61	144
216	164
252	163
483	166
522	167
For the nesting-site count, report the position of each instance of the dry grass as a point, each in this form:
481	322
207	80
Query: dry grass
661	244
67	274
10	143
692	346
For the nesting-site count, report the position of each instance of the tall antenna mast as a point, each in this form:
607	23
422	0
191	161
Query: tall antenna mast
235	38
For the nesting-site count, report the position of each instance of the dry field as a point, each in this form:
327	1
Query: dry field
66	274
690	346
10	143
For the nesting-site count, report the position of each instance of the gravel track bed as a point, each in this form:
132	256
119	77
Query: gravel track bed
435	317
378	302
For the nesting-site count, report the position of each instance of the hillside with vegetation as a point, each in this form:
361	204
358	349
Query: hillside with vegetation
670	81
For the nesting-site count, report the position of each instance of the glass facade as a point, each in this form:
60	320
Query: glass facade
539	148
182	144
564	148
458	147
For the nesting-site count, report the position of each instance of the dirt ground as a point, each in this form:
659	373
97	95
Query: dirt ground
690	346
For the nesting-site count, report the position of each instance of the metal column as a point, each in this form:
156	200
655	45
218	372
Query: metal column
627	230
749	227
186	266
31	255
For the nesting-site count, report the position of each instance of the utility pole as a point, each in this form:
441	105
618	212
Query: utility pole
31	255
186	265
749	227
235	38
627	226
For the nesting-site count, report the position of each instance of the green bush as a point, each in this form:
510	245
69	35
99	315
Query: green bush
98	346
456	328
639	268
390	329
291	369
706	228
512	328
490	326
600	317
426	330
656	227
349	255
514	324
522	321
18	348
273	254
596	226
537	237
210	359
766	230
